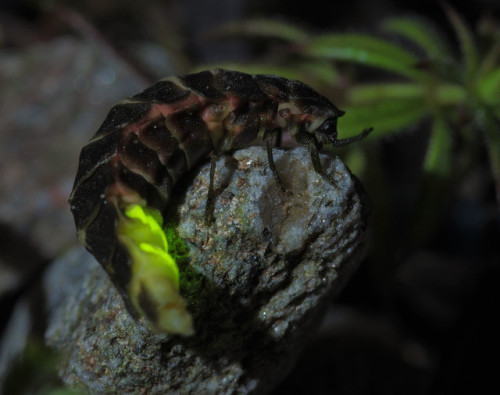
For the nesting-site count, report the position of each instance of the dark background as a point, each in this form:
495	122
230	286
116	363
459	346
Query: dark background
422	322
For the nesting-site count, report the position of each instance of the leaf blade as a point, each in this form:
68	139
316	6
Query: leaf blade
366	50
385	116
489	87
375	92
442	94
262	27
420	32
466	41
437	161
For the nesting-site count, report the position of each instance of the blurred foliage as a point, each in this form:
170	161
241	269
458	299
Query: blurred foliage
413	75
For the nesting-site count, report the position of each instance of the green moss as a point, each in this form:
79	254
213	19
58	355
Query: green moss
177	248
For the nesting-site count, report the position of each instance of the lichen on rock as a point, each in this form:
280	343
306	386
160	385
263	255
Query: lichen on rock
256	281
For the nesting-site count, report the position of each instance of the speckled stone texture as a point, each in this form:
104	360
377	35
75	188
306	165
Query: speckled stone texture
256	282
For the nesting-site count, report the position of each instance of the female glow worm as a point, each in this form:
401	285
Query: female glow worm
128	170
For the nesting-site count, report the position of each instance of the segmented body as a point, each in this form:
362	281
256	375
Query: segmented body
149	142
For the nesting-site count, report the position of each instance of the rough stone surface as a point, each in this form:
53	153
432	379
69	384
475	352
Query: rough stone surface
256	283
53	93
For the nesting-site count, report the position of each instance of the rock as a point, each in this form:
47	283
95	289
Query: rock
256	282
53	93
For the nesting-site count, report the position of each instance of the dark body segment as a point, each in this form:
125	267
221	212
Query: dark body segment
134	187
311	101
239	84
89	195
149	142
192	136
121	115
138	158
203	84
157	137
162	92
101	241
217	84
100	237
274	87
95	153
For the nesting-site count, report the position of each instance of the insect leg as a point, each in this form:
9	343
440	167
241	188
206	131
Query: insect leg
317	163
269	145
308	140
209	208
279	137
